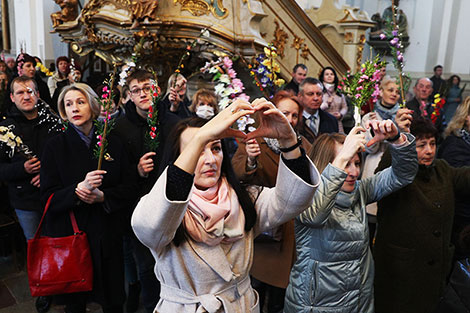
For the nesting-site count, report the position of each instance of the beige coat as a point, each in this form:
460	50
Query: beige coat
196	277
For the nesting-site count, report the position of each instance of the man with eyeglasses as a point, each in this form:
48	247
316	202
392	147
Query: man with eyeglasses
32	121
132	129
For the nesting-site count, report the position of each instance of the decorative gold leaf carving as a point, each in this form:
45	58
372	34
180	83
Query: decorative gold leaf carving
280	39
203	7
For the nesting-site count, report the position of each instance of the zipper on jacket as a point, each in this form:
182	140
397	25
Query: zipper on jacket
314	291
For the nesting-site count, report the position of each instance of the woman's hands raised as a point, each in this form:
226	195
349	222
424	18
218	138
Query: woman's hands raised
383	130
355	142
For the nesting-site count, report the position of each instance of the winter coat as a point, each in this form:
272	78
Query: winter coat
66	161
334	270
196	277
34	134
272	260
412	250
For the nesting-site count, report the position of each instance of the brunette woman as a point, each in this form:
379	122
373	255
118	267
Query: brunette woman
200	224
333	101
97	197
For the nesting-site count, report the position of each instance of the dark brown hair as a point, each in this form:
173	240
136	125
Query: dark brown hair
173	151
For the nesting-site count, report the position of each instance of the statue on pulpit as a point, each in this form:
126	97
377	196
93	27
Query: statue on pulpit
69	12
143	11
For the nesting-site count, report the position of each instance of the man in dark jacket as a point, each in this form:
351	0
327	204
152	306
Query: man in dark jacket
31	121
438	84
299	73
315	121
133	129
422	103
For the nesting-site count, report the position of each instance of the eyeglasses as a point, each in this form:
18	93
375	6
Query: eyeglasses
137	91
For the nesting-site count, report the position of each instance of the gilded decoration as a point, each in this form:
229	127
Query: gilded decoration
348	37
203	7
305	52
362	41
280	39
69	12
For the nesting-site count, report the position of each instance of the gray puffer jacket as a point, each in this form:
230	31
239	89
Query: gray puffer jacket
334	270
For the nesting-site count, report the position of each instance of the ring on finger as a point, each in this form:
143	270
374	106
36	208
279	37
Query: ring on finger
232	110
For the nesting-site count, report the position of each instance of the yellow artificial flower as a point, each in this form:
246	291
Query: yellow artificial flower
279	82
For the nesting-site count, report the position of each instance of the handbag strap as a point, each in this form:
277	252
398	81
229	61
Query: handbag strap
71	214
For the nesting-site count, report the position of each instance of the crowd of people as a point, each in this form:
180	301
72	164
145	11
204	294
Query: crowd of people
310	212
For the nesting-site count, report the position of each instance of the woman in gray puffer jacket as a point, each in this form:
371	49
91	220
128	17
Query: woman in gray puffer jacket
334	270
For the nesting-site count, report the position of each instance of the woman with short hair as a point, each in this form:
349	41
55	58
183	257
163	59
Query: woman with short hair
413	250
61	73
204	104
98	198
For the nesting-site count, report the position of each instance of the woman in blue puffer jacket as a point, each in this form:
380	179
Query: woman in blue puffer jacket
334	270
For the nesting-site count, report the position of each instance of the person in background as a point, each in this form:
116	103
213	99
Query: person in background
257	164
314	121
438	84
198	216
99	198
62	72
204	104
299	73
3	91
453	98
73	77
455	149
333	101
413	250
334	270
176	101
386	108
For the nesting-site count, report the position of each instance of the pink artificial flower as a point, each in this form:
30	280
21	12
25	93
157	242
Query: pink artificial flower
382	36
357	96
394	41
99	143
365	77
231	73
359	88
104	96
105	89
227	62
363	69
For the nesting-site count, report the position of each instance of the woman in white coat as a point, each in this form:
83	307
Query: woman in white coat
200	224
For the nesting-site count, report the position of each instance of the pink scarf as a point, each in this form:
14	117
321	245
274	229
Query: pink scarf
214	215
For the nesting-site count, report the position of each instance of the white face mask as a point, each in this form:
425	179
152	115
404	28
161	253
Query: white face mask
205	111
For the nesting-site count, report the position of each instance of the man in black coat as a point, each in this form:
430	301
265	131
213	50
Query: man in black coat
34	124
315	121
133	128
422	104
31	120
438	84
299	73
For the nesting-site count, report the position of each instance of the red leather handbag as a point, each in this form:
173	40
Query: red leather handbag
59	265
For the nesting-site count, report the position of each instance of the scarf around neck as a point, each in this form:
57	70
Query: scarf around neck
214	215
386	113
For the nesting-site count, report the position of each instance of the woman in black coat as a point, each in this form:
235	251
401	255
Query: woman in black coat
98	198
455	149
